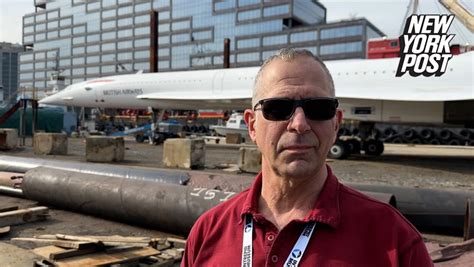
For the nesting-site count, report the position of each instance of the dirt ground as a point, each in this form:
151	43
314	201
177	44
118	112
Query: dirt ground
402	165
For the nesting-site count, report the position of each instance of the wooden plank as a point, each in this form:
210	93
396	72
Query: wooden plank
113	238
452	251
181	243
77	245
45	251
22	216
4	230
109	257
49	238
9	208
59	243
68	253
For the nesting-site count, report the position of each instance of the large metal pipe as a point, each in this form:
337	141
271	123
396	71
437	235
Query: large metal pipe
442	211
10	191
169	207
19	164
428	209
383	197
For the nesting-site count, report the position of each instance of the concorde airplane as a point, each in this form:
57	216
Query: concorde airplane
367	89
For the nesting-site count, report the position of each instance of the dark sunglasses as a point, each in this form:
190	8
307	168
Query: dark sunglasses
281	109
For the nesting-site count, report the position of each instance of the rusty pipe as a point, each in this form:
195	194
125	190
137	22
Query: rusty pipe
170	207
20	164
441	211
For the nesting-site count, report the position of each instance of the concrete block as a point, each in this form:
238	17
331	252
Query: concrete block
184	153
233	138
50	144
250	160
8	138
105	148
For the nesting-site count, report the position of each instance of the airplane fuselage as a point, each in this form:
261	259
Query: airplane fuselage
368	90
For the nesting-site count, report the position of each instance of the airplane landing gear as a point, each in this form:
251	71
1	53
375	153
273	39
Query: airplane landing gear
366	139
354	145
373	147
340	150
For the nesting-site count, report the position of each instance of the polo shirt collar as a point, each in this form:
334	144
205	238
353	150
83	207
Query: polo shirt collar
326	209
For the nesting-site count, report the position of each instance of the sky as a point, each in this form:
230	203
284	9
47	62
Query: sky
387	15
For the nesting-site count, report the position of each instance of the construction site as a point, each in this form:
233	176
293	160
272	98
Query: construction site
130	119
78	206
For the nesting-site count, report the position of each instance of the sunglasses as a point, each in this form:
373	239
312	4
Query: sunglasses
282	109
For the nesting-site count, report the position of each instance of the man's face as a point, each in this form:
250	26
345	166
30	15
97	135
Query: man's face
296	147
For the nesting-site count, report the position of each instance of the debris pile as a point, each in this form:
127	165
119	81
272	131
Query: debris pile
69	250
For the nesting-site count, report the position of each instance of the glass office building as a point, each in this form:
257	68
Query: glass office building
88	39
9	54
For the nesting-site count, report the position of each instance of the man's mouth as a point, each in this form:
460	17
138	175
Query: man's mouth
298	148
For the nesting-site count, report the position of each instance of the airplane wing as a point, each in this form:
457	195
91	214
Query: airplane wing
199	100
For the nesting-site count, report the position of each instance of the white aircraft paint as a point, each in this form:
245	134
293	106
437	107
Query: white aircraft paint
360	84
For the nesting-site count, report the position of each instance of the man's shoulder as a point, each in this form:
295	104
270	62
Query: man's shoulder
372	209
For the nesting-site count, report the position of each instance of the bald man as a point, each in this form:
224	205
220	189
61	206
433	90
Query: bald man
296	213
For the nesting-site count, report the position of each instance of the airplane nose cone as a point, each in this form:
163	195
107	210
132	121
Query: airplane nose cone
53	100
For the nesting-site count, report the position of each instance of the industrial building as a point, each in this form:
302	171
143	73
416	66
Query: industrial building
89	39
9	54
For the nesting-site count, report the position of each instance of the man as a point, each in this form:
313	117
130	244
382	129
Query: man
296	212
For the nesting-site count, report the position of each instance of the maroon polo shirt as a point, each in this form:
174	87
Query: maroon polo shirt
352	230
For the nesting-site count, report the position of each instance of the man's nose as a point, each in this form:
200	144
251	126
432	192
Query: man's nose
298	122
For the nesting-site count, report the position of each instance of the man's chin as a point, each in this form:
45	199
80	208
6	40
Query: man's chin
299	168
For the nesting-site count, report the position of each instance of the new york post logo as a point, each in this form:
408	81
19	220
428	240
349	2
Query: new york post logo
424	45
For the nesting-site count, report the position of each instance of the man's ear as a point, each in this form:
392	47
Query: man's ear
249	117
337	124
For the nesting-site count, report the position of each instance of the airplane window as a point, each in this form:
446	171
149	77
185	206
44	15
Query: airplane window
88	88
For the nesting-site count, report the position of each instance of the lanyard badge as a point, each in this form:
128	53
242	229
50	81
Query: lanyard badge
247	243
296	253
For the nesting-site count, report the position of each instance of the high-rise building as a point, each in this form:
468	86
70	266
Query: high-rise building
9	54
88	39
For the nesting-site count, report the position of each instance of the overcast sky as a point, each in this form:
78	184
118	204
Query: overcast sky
387	15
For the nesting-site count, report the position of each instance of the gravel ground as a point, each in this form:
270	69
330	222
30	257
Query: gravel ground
419	166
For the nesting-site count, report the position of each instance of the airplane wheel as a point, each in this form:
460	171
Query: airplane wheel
373	147
354	146
340	150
